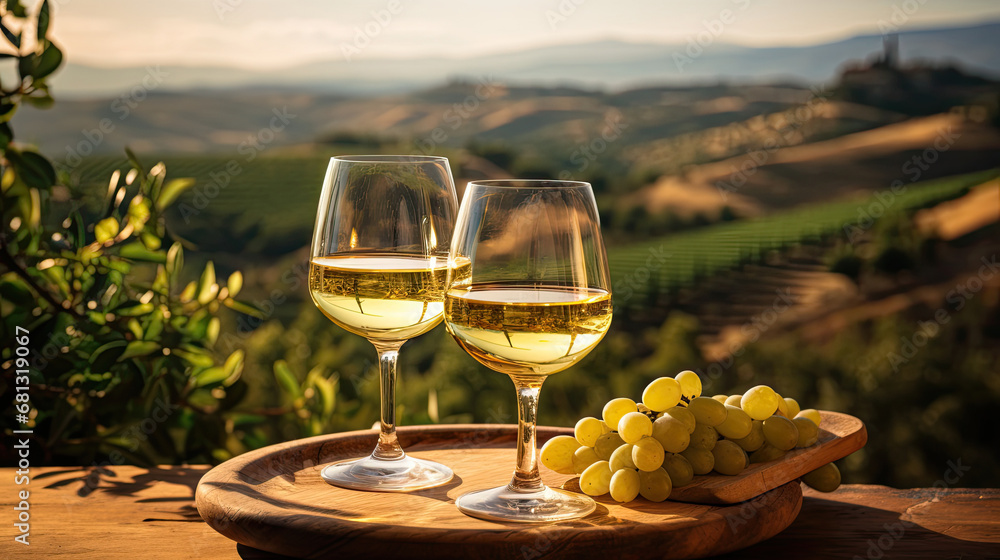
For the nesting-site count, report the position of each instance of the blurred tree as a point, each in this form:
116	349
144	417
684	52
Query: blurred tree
122	364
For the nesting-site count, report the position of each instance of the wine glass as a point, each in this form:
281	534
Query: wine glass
379	268
528	296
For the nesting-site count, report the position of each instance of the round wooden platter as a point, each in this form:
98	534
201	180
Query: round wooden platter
273	499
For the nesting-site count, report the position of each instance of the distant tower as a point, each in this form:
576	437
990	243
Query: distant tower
890	50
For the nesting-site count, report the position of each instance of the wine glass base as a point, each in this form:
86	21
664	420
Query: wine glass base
504	504
380	475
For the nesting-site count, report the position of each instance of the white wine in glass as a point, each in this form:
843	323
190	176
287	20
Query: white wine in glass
379	269
529	296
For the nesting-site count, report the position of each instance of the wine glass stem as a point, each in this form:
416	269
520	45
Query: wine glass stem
526	477
388	447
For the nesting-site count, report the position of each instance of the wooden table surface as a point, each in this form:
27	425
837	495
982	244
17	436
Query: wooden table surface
136	513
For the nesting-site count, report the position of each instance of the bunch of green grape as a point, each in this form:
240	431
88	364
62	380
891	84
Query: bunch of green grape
651	447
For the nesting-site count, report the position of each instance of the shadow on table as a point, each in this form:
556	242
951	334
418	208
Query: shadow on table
107	480
821	531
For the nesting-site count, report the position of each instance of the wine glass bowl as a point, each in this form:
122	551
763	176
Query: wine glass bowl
379	269
528	296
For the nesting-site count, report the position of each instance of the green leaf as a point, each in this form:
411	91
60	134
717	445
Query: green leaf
31	167
99	355
197	359
6	135
209	376
152	242
135	310
175	261
138	348
286	379
135	328
43	21
244	308
40	101
134	161
41	174
233	367
7	111
155	325
106	230
327	390
235	283
137	252
49	61
207	288
16	291
212	332
173	189
25	65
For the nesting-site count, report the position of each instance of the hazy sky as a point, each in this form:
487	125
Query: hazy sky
258	33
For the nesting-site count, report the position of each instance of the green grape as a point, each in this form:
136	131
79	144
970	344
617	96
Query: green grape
596	479
690	384
707	411
634	426
647	454
737	425
730	459
704	437
759	402
679	468
808	432
755	439
587	431
671	433
606	445
782	406
780	432
702	461
624	485
793	407
655	486
824	479
557	454
583	458
683	415
721	398
622	458
661	394
766	453
812	414
616	408
734	400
